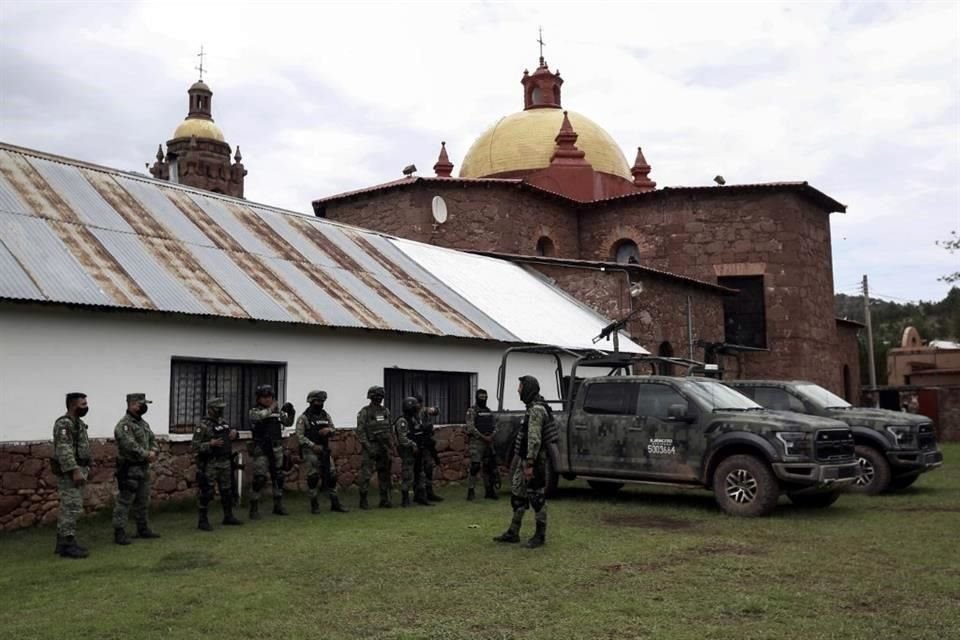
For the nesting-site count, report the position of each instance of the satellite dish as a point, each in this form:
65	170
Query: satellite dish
439	210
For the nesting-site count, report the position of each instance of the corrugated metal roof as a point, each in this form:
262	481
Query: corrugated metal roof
76	233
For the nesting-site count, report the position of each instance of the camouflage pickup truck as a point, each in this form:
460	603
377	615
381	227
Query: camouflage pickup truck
687	432
893	448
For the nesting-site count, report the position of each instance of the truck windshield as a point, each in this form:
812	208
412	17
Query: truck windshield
821	397
718	396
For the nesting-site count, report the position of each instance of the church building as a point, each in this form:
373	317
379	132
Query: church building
748	264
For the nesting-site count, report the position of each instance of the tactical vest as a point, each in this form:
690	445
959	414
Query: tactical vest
316	423
415	431
377	423
549	433
483	421
268	429
221	430
82	458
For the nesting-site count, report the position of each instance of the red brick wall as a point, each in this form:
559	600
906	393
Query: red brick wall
780	236
483	217
663	305
28	489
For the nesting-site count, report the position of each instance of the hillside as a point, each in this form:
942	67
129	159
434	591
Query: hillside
935	320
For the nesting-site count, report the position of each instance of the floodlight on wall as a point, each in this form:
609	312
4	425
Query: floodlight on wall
636	289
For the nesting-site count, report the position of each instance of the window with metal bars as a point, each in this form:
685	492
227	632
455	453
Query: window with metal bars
193	382
745	314
450	392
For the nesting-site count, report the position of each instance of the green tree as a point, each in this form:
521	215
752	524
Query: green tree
952	245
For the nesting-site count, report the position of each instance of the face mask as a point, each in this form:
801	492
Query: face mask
216	412
482	401
143	408
316	406
82	412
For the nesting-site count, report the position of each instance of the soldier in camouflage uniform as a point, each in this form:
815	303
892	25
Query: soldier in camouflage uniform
213	447
483	458
410	446
529	468
71	464
430	459
136	450
266	449
373	432
314	428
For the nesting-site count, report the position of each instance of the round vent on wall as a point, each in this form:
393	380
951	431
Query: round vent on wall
439	210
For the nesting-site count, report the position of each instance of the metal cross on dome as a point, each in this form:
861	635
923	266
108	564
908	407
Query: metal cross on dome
540	40
200	68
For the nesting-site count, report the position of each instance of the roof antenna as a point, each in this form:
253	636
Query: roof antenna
200	68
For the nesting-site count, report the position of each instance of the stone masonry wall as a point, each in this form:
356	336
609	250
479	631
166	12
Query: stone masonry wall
28	489
948	424
497	217
780	236
849	356
663	305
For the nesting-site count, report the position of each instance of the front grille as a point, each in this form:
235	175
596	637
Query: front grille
926	439
847	472
833	444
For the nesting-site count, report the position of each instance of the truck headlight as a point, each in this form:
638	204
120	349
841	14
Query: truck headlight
903	435
795	443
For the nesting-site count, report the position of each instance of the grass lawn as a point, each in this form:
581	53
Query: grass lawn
648	563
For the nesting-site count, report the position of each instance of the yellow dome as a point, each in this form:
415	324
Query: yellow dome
199	127
525	140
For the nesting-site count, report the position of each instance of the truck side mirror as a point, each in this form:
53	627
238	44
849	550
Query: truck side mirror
679	413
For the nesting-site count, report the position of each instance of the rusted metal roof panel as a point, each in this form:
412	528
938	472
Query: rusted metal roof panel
164	288
10	202
89	205
231	225
254	301
334	313
282	226
51	266
14	281
373	300
165	212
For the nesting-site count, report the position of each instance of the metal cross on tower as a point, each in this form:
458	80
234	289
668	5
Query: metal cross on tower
200	68
540	40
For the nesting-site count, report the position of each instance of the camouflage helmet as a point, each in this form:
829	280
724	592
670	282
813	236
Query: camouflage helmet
409	406
265	390
317	395
216	403
376	391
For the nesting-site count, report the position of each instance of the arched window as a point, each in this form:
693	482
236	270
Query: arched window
545	247
626	252
537	96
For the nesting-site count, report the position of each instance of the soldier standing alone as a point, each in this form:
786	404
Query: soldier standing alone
483	458
373	432
266	449
71	465
213	446
314	428
529	467
136	450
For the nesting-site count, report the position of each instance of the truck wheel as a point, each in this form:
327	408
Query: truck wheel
605	488
814	500
901	483
745	486
874	474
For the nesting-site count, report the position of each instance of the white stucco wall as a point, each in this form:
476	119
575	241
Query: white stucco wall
46	352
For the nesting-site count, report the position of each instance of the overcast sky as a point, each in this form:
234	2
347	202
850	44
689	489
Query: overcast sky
860	99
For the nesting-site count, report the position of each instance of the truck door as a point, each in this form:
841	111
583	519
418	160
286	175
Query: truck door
662	446
606	408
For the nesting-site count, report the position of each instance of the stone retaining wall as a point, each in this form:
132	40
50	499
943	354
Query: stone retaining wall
28	488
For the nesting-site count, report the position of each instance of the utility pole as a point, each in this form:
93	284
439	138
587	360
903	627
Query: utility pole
870	362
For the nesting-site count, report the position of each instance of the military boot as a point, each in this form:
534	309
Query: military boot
336	506
202	522
120	536
404	498
432	497
508	536
144	531
70	549
56	549
385	501
278	508
539	538
254	510
314	505
489	493
228	517
471	494
363	501
420	497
